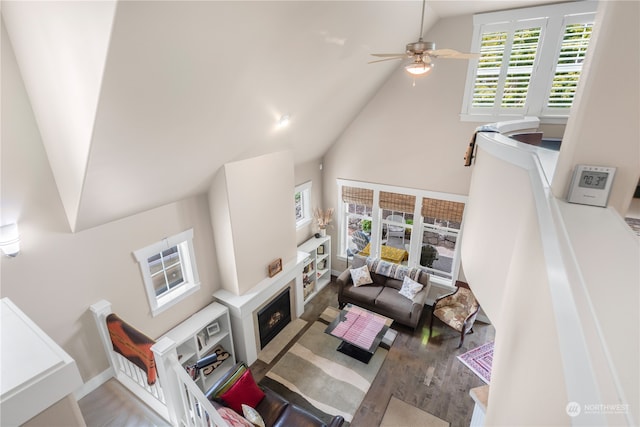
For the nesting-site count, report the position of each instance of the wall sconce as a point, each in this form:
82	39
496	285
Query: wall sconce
10	240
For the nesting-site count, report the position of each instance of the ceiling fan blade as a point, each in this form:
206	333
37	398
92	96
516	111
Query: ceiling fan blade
386	59
453	54
388	55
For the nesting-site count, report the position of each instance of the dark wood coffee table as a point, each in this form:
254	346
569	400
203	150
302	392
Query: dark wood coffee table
360	330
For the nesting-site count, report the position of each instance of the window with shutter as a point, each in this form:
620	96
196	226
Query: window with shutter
530	62
573	50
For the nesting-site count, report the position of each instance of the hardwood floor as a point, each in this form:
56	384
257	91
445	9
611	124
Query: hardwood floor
112	405
420	371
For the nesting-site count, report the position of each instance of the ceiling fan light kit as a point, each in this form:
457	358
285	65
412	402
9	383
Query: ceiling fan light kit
422	52
418	68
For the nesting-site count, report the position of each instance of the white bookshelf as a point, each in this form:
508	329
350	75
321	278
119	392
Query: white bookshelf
196	338
316	270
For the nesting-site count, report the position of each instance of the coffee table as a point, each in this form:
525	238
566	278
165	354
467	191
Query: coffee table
360	331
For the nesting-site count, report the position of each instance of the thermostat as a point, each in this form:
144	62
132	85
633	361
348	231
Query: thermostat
591	185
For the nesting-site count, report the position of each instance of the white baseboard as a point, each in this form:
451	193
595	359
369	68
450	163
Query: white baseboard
93	383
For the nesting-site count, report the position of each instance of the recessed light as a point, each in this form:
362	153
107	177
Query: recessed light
284	121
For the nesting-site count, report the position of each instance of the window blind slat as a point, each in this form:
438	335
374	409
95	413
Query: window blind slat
442	209
397	202
569	65
358	196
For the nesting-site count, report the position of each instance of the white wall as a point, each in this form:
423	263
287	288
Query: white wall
67	94
58	274
410	136
605	129
258	216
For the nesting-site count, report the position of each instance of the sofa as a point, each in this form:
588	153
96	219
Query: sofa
383	296
274	410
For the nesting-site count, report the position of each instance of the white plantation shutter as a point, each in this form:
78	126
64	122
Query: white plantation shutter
521	62
530	62
505	67
573	49
488	74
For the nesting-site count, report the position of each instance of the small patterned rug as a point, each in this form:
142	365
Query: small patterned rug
479	360
634	223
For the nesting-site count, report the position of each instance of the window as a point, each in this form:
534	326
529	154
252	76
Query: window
169	270
356	219
530	62
407	226
303	204
441	224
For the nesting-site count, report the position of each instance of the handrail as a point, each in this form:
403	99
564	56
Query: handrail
581	382
187	404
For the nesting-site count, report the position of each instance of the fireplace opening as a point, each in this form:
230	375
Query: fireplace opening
273	317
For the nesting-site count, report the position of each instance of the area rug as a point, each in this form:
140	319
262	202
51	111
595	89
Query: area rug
479	360
401	414
330	381
273	349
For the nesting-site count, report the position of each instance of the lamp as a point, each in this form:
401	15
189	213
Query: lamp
10	239
418	67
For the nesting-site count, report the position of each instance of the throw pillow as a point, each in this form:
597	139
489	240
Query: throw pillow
240	370
232	418
245	390
361	276
252	415
410	288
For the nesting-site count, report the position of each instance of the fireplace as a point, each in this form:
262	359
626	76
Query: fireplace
273	317
244	309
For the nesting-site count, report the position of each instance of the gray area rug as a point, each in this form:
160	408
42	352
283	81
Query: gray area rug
330	381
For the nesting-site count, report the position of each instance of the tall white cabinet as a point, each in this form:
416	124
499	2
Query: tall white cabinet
316	271
203	333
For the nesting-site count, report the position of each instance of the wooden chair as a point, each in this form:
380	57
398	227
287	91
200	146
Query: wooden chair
457	310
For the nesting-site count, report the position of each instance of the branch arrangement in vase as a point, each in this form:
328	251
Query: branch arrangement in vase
323	218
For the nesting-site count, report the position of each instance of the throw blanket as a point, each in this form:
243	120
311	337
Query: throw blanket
393	270
133	345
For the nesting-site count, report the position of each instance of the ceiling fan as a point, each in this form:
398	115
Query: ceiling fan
422	53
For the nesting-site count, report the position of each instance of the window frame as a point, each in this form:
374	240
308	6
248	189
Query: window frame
377	222
554	19
305	195
191	282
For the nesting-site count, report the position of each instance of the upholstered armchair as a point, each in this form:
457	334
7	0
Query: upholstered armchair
457	310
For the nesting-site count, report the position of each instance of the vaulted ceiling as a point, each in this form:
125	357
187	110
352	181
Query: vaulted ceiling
139	103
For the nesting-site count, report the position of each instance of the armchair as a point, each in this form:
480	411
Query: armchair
457	310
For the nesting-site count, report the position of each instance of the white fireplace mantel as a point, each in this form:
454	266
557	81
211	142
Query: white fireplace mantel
242	308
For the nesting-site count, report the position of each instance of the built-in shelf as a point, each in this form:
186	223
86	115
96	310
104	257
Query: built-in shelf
202	334
316	271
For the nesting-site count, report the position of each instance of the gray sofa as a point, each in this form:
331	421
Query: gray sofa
382	295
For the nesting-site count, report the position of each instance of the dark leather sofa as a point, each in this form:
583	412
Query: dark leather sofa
275	410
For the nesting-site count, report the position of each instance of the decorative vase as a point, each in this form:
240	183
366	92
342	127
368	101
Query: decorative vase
323	232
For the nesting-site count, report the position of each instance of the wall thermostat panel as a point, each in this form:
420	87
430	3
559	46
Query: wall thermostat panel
591	185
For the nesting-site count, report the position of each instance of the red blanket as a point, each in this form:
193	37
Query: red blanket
132	344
